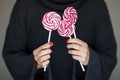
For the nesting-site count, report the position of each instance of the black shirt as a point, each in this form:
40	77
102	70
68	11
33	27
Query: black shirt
25	33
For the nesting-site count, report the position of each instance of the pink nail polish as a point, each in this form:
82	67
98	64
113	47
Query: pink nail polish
66	41
51	43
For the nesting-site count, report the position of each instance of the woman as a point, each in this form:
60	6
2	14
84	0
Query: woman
26	51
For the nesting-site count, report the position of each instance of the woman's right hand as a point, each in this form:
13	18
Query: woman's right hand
42	55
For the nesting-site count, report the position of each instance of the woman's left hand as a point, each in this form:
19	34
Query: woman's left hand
79	50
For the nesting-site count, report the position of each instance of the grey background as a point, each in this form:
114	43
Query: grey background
5	11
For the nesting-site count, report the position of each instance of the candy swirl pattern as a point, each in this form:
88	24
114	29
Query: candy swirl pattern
51	21
70	15
67	27
64	30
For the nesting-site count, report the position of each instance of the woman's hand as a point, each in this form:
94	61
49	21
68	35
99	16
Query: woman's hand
79	50
42	55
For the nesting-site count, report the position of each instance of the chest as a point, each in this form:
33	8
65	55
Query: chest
38	35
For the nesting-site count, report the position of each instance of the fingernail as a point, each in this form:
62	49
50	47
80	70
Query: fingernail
51	43
66	41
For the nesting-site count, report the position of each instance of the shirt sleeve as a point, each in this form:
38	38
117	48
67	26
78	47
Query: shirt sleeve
18	59
103	54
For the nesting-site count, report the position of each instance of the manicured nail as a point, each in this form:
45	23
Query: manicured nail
66	41
51	43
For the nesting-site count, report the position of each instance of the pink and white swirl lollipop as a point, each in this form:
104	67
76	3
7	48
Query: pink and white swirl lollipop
66	29
70	17
51	21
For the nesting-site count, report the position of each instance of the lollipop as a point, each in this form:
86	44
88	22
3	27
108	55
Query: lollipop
70	15
66	29
68	24
51	21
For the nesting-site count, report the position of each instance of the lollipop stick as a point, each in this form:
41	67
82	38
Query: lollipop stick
74	31
74	34
49	36
45	68
80	62
70	37
82	67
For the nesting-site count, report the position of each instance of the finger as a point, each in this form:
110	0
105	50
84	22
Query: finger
77	41
74	52
47	45
43	52
45	63
44	58
44	46
77	53
73	46
78	58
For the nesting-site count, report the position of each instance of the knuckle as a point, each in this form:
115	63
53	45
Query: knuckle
39	63
42	64
70	51
43	59
48	56
73	57
40	59
68	46
78	52
85	44
47	62
73	45
34	52
49	50
41	52
35	58
77	40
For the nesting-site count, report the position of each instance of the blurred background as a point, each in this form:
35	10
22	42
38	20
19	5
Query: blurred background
5	11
